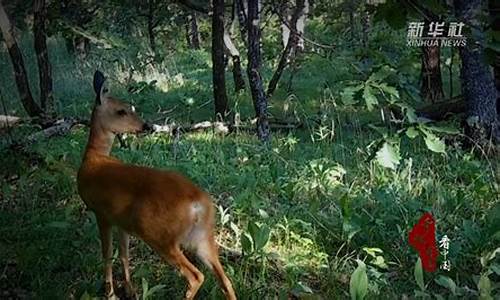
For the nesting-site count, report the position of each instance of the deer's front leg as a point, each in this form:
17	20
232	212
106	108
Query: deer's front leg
107	254
124	257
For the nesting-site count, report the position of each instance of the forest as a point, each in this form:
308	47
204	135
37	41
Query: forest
351	149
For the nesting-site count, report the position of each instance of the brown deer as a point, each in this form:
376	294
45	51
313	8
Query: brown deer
164	209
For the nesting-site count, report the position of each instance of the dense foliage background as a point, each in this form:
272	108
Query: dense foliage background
316	202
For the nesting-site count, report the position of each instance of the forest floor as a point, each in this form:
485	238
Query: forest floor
324	203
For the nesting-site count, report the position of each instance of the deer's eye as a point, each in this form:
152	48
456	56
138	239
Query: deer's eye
121	112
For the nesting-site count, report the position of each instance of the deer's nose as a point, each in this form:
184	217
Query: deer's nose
147	128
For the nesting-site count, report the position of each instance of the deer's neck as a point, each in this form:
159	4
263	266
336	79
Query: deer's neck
100	140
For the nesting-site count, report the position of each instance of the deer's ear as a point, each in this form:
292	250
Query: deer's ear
99	87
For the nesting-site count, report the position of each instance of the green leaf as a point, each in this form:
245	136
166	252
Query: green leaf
493	220
301	289
85	296
381	74
347	95
434	143
379	261
372	251
412	132
496	269
419	274
444	129
350	228
145	288
263	214
358	285
488	256
154	290
410	114
246	243
388	156
369	97
260	234
389	90
447	282
484	286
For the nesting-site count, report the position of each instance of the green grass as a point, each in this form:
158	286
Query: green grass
314	189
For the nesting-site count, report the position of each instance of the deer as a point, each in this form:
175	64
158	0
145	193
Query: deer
162	208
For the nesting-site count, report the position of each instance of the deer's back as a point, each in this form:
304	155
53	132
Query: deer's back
139	199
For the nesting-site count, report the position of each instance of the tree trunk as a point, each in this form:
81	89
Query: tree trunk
432	84
81	45
351	9
494	8
219	80
366	23
192	32
254	61
285	14
16	57
478	86
242	13
44	68
188	31
239	82
301	25
291	45
151	26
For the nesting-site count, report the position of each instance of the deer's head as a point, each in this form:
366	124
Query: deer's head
113	115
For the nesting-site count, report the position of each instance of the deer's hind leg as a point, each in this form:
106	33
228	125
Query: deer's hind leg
208	252
194	277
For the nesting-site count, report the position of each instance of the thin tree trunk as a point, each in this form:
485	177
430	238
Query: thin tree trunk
254	62
432	84
188	31
366	23
494	8
16	57
219	80
44	68
285	13
192	32
351	10
478	85
195	33
291	45
301	26
242	13
151	26
239	82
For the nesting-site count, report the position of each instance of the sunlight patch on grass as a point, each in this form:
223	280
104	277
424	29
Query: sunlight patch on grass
298	251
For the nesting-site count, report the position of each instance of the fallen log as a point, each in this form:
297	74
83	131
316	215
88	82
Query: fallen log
8	121
442	110
221	128
59	128
63	126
